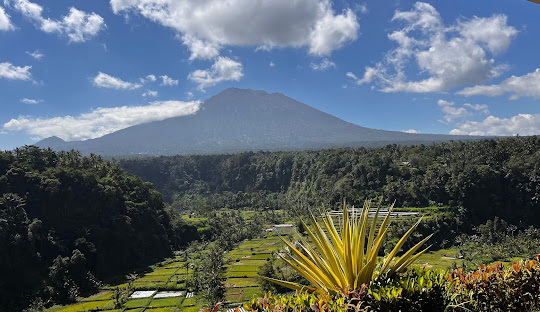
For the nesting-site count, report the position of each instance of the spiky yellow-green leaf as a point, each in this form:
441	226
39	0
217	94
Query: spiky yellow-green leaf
342	260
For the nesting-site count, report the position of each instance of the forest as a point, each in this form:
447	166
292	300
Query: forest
478	180
69	222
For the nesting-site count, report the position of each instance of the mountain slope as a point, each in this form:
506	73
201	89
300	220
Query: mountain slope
238	120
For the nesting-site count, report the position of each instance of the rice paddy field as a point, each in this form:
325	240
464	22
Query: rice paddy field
241	278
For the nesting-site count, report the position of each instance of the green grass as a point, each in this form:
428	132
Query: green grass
242	282
153	278
250	293
85	306
137	303
163	271
188	302
243	268
102	295
241	274
173	265
167	302
190	309
164	309
440	259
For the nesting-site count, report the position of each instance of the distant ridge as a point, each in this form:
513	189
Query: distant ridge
238	120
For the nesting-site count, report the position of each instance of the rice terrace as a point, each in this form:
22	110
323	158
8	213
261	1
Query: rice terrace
269	156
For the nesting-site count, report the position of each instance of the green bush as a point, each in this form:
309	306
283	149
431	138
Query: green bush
418	289
496	287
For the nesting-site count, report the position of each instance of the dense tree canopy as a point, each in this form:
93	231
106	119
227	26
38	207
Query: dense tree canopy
67	221
487	178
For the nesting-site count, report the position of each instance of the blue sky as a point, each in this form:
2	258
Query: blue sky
82	69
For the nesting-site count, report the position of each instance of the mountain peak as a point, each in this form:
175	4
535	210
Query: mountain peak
51	141
237	120
233	90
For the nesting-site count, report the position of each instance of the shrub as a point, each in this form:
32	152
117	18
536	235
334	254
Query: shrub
418	289
497	287
305	302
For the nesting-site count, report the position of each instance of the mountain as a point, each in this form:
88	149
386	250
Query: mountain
237	120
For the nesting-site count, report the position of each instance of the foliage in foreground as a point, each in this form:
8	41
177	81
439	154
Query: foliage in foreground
495	287
343	260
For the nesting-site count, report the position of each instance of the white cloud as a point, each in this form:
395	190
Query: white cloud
148	78
493	32
189	95
5	22
206	26
323	65
151	78
100	121
223	69
449	56
332	32
200	49
168	81
368	76
271	64
410	131
522	124
103	80
517	86
451	112
30	101
479	107
78	26
11	72
150	93
36	54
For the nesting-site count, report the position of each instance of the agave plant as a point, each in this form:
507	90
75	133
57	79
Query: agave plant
341	260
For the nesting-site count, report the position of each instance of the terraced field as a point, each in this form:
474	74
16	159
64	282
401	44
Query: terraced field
244	262
241	279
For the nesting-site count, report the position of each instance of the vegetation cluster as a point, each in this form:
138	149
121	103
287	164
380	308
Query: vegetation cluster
475	180
68	222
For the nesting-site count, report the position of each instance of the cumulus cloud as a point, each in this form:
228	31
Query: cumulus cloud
493	32
168	81
12	72
100	121
451	112
200	49
271	64
150	93
223	69
332	32
516	86
206	26
103	80
5	22
322	66
78	26
449	55
522	124
30	101
410	131
36	54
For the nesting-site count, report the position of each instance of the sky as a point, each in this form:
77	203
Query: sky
82	69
